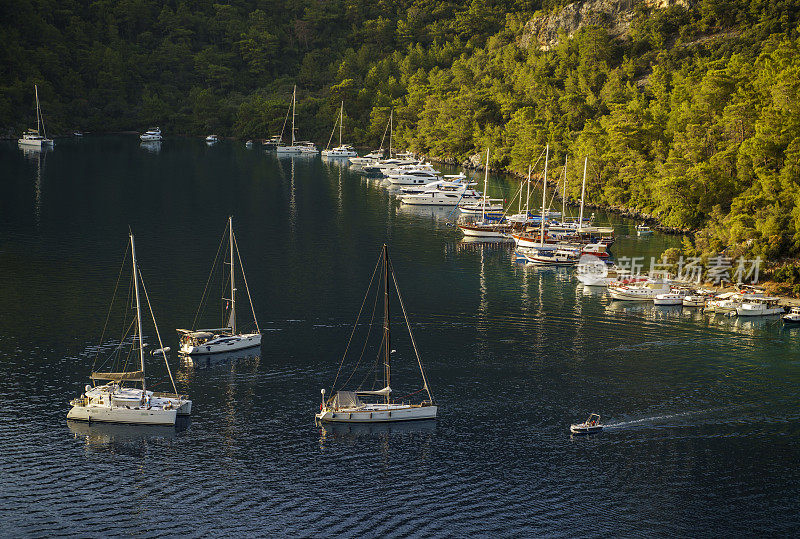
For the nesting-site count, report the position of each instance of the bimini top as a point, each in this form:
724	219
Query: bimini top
131	376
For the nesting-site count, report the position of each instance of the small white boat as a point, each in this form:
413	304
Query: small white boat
642	230
36	138
763	306
342	151
227	339
348	406
549	255
643	291
792	317
590	426
372	157
212	139
248	144
151	135
116	401
673	297
77	134
694	300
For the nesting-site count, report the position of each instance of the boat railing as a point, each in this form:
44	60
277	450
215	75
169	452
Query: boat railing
170	396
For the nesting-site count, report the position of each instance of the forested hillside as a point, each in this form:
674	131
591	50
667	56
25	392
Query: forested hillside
690	114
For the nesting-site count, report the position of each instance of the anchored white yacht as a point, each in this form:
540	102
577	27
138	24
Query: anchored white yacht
442	193
350	406
226	339
342	150
151	135
116	401
36	138
761	306
644	291
296	148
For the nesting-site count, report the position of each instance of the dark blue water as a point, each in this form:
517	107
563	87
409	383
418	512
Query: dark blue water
704	436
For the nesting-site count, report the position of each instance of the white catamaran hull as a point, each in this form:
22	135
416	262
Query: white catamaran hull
379	415
229	343
121	414
35	143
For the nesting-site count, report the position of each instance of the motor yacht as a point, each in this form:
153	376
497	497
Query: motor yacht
642	291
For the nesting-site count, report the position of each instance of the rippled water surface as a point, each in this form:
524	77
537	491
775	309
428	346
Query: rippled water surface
703	439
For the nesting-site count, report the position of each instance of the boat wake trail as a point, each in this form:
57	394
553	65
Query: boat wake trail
658	418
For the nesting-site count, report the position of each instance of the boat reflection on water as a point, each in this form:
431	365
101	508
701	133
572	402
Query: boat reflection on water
126	439
591	291
152	146
207	361
434	213
352	431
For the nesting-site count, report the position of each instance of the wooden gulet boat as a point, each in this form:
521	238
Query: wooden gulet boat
353	406
486	228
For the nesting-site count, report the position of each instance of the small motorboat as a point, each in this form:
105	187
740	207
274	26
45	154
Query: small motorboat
212	139
590	426
643	230
694	300
248	144
792	317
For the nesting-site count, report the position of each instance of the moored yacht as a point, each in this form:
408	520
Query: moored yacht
342	150
638	291
228	338
760	306
378	405
117	401
36	138
151	135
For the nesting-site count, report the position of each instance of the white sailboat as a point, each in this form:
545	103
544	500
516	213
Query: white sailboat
227	339
348	406
342	151
36	138
114	401
293	148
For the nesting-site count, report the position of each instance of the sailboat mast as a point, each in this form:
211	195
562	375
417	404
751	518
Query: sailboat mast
528	195
386	334
485	187
341	119
564	192
294	102
233	284
583	192
391	128
138	308
544	194
36	91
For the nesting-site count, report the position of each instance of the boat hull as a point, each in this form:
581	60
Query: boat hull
483	232
134	416
226	344
397	413
623	295
584	429
41	143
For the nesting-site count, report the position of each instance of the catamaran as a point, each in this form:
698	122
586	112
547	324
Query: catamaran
115	401
342	150
348	406
226	339
36	138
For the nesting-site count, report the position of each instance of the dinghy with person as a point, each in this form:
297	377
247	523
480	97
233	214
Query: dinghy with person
378	405
590	426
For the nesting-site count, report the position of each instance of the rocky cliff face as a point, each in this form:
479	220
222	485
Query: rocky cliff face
544	31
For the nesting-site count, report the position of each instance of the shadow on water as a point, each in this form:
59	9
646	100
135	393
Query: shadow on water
126	439
334	431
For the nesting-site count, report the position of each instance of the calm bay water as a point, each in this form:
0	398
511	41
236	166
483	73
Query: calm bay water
704	436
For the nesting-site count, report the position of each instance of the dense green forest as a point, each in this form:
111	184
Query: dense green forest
692	116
